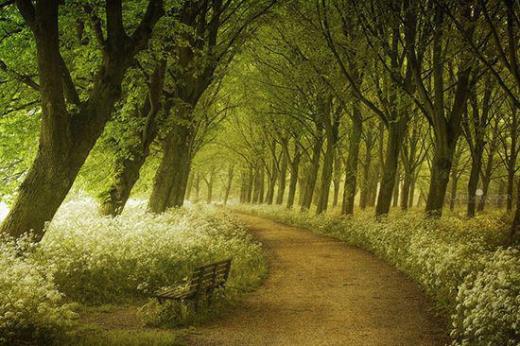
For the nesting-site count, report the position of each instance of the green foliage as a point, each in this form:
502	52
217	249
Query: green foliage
93	260
460	263
487	309
124	338
31	307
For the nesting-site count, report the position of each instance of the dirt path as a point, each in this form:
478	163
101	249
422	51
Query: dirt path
323	292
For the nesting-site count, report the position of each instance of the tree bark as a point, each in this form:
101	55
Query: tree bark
474	176
261	185
209	185
272	177
365	187
332	134
336	180
313	169
510	188
191	179
197	188
295	167
453	194
230	176
515	227
326	177
405	191
440	173
127	168
351	166
395	197
412	192
250	183
390	166
169	185
282	179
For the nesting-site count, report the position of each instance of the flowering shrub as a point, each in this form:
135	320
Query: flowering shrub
31	308
104	260
488	303
91	259
460	263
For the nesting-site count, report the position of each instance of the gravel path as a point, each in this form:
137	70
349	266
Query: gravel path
323	292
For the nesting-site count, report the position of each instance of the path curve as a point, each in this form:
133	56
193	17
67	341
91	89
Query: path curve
322	292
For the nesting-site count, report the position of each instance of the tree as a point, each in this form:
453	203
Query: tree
128	165
71	125
211	33
446	125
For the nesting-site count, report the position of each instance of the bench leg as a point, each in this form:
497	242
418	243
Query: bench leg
209	296
195	303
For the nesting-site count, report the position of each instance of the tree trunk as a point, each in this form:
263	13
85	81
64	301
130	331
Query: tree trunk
189	188
441	167
501	192
365	187
256	186
196	185
271	182
171	177
485	190
209	184
386	189
351	166
474	175
395	198
405	190
250	185
489	167
127	168
510	188
261	186
453	194
515	227
282	179
295	166
231	173
326	176
302	183
378	169
313	170
66	139
446	123
336	180
412	192
243	188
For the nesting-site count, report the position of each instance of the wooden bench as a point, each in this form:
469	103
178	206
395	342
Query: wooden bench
202	284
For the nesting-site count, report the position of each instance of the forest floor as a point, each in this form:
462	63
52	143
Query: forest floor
322	292
319	291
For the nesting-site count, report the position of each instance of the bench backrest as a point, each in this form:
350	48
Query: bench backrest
210	276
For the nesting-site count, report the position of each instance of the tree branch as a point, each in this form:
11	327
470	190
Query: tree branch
142	34
26	79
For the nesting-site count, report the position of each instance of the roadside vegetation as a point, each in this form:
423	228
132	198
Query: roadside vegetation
88	260
462	264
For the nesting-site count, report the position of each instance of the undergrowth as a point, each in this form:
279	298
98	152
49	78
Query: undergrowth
460	263
88	259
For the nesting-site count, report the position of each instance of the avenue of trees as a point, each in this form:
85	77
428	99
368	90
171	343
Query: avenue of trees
141	64
310	104
379	104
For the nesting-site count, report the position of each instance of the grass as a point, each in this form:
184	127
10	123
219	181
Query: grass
89	260
125	337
